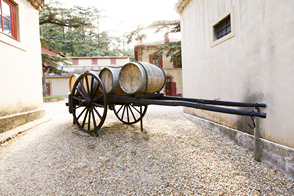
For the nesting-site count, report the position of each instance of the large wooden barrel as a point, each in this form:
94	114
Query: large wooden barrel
109	77
141	78
72	80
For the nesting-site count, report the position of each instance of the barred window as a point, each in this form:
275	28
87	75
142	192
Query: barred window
223	27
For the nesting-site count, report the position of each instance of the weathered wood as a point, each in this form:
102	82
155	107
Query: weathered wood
256	140
109	77
73	78
141	78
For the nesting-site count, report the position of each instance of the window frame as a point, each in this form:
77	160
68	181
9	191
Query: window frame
12	20
214	40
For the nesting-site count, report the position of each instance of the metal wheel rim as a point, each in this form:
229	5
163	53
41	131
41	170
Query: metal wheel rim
89	110
128	113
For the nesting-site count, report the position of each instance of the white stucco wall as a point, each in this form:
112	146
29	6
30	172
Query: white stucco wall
121	62
85	62
21	70
256	65
58	86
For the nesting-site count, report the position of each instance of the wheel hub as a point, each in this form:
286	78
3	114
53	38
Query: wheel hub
88	102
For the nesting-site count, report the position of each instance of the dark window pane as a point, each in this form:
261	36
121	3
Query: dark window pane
6	10
7	26
223	28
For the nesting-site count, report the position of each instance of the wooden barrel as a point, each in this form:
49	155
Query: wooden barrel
109	77
141	78
72	81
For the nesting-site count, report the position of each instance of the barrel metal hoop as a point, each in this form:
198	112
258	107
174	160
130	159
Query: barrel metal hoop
164	78
142	81
152	78
115	82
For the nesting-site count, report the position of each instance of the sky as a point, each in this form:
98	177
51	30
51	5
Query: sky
124	15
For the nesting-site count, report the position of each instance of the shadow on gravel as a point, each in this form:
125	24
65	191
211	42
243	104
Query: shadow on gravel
117	128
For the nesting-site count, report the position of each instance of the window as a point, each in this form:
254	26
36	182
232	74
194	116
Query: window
113	61
178	61
75	61
223	28
155	61
94	62
7	16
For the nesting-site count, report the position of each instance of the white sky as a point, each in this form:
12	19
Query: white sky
124	15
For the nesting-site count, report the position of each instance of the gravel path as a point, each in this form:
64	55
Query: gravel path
175	157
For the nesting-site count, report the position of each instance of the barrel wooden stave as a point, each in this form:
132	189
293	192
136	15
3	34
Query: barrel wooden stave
141	78
109	77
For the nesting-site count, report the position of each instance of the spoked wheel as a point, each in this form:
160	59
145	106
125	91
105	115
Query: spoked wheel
89	104
129	113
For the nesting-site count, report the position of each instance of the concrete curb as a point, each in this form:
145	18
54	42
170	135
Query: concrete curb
13	121
6	136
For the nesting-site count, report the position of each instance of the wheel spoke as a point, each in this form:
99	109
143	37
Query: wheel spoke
82	85
85	118
87	83
81	92
92	88
94	121
81	114
89	119
120	108
97	113
98	97
122	116
128	114
79	99
97	105
77	107
136	109
133	114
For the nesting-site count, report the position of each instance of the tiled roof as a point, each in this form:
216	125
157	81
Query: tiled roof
181	5
38	4
98	57
156	43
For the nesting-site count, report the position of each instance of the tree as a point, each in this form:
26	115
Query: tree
51	63
173	48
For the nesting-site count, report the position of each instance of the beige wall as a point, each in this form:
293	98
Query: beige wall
58	86
20	69
256	65
101	62
168	68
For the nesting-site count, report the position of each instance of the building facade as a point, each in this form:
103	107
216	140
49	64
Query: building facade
243	51
21	70
59	85
173	71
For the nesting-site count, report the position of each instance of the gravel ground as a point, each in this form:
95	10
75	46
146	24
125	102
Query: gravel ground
174	157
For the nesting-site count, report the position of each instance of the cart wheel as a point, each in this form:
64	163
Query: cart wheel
89	103
129	113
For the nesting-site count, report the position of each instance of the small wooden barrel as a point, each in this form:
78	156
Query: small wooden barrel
141	78
109	77
72	81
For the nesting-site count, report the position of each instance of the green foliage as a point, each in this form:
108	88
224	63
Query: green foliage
173	50
50	63
51	97
75	32
166	26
